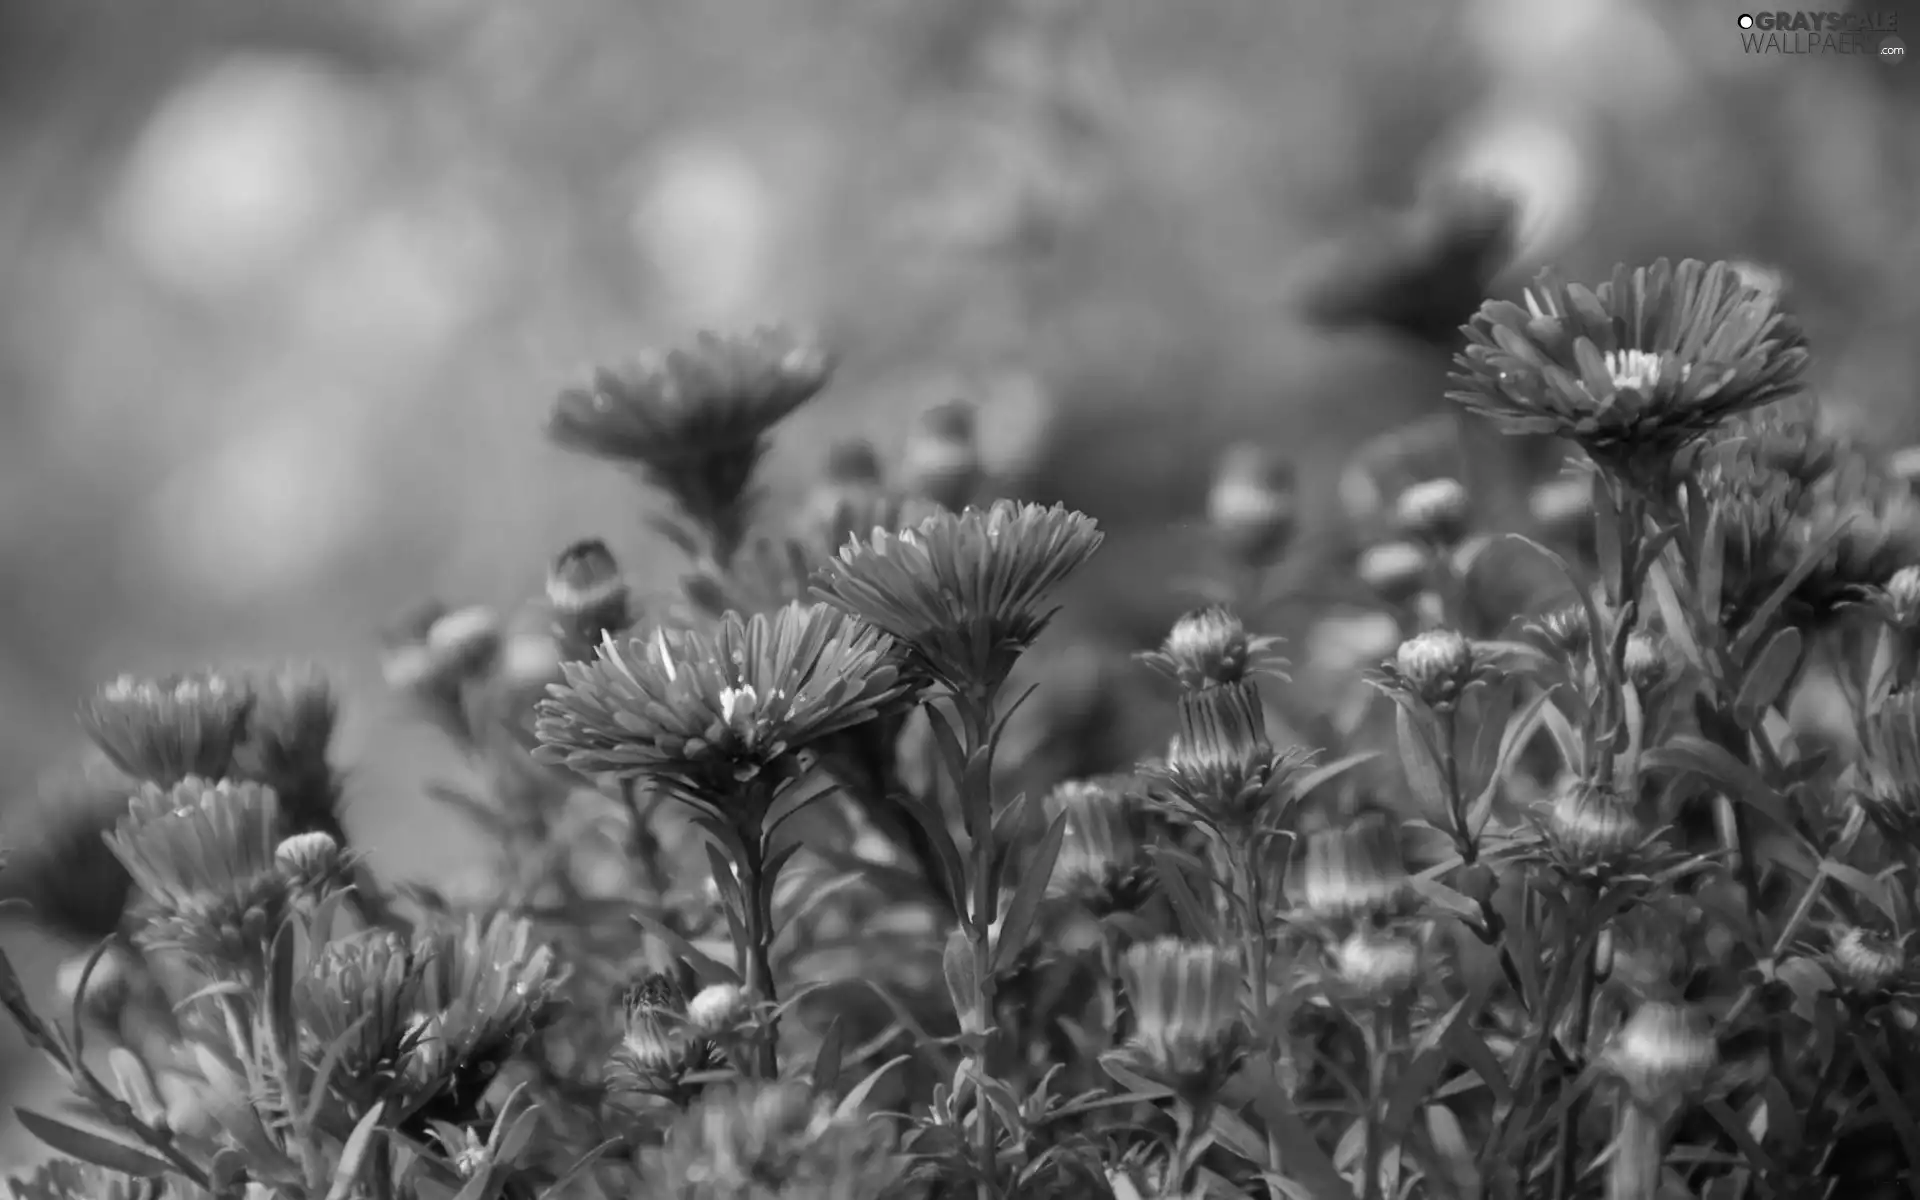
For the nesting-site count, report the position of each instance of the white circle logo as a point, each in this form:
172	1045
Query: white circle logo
1746	20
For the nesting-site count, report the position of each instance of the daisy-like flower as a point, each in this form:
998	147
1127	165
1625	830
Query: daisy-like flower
164	730
1899	600
710	714
941	461
1663	1053
1891	798
1187	1030
1866	963
694	420
963	591
1103	862
1251	505
1222	770
289	732
361	998
1643	364
776	1139
588	597
719	1010
1593	836
203	855
69	1179
659	1047
1355	872
1212	646
486	987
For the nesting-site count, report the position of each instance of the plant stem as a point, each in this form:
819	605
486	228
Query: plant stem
1568	1167
1259	964
756	891
976	806
1377	1070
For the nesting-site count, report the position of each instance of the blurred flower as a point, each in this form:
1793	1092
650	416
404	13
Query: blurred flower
942	457
1187	1031
1866	963
68	1179
1648	662
1251	505
694	420
1103	862
288	732
434	653
1563	505
718	1010
1222	770
1662	1053
767	1139
203	854
706	713
1378	967
1395	571
164	730
312	861
962	592
658	1047
57	859
1434	511
1645	363
1899	601
1356	872
1892	743
588	597
1211	646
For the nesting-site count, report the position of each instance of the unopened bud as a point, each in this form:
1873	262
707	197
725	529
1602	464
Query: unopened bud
1210	647
718	1010
1647	664
1356	870
465	640
588	596
308	857
1865	962
942	458
853	462
1434	511
1903	598
1251	505
1395	571
1593	825
1663	1052
1437	665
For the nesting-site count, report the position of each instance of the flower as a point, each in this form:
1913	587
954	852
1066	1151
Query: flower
1867	963
164	730
1892	796
312	861
1211	646
203	854
1435	668
1900	600
962	591
659	1047
1251	505
694	419
942	458
289	730
1395	571
1591	834
1355	872
57	860
1648	663
360	998
1563	505
776	1139
1434	511
1663	1052
1222	770
1103	862
1646	362
1377	967
707	713
485	987
1187	1031
432	654
588	597
719	1009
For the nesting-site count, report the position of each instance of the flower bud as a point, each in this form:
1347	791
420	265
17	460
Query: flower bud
1211	647
963	982
1380	968
1592	825
942	458
588	596
852	462
1251	505
1437	665
1903	598
1663	1052
1563	506
309	858
1647	663
1562	632
1905	465
465	640
1434	511
1395	571
718	1009
1865	962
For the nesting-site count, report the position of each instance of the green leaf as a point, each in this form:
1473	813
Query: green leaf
1415	1079
1305	1159
948	743
1173	881
1018	923
1810	560
1452	1154
1685	752
1320	776
856	1097
1678	619
91	1147
1863	885
1573	752
323	1074
1423	773
933	823
1768	675
13	998
353	1155
826	1063
1596	628
708	968
558	1187
1470	1048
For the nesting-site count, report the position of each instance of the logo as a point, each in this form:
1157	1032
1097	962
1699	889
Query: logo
1874	34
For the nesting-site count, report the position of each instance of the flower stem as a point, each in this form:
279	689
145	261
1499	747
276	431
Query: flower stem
976	806
1378	1072
1634	1173
1567	1169
756	889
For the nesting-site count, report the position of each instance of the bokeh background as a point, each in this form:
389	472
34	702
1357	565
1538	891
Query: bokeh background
285	287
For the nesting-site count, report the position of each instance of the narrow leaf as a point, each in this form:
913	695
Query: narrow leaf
91	1147
353	1155
1677	617
1305	1160
1768	676
826	1063
1173	881
933	823
707	967
1810	561
558	1187
1018	924
1714	763
851	1104
1423	773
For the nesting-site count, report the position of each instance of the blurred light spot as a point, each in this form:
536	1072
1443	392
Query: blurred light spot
265	512
1539	163
242	164
705	222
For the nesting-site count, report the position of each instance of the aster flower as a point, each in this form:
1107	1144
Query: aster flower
203	855
1222	771
588	597
705	714
761	1141
1377	967
694	420
963	591
485	987
433	653
1593	836
1898	601
1663	1053
1891	798
1355	873
941	461
1251	505
1103	862
1187	1030
1868	964
659	1047
1212	646
1649	661
164	730
1645	363
1435	669
361	999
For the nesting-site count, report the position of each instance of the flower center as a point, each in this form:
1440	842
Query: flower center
1637	370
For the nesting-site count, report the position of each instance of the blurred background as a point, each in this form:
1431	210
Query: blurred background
285	288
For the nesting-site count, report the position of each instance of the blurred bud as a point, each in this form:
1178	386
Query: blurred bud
1562	507
431	656
1434	511
1211	646
1395	571
718	1010
1647	662
1562	632
311	859
941	460
1356	871
1663	1052
1603	955
1437	667
465	640
1902	607
588	597
1251	505
1905	465
853	462
1866	963
963	982
288	735
1379	968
